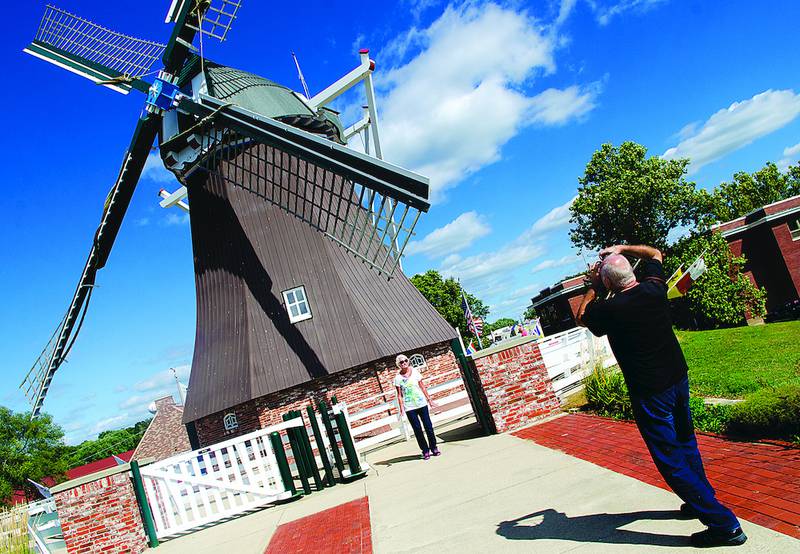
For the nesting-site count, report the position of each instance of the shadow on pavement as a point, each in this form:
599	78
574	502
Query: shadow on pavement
599	528
399	459
462	433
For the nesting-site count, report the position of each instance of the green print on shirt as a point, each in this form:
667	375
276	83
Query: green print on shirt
411	394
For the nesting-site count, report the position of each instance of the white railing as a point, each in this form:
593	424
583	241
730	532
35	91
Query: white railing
197	488
571	355
397	427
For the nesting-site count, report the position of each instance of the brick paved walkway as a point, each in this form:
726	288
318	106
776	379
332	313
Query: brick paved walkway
760	482
342	529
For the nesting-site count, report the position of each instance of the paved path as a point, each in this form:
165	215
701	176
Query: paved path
484	494
758	481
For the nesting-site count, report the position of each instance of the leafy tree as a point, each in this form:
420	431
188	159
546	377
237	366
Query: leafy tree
530	313
445	296
29	449
722	295
626	197
747	192
107	443
499	324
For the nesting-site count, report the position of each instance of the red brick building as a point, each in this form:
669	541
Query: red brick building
769	237
557	306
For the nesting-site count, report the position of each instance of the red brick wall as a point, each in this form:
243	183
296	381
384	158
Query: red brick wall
101	516
516	386
348	386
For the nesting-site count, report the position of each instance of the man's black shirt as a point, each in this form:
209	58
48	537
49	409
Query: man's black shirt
639	330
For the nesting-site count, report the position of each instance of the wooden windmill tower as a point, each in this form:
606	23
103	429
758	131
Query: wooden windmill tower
296	238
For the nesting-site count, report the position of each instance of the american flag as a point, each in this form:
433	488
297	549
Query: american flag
474	324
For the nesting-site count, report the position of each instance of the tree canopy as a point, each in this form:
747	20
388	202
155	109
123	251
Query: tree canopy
625	197
723	294
530	313
445	296
106	444
747	192
29	449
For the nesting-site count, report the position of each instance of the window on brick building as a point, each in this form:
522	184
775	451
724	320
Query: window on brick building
417	361
297	304
230	422
794	228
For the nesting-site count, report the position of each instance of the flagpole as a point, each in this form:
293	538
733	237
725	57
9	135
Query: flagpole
466	303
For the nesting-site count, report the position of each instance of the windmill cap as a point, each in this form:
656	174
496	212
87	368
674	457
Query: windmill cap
364	51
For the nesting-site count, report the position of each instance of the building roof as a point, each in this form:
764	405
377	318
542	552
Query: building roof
264	97
166	435
764	214
98	465
567	286
247	252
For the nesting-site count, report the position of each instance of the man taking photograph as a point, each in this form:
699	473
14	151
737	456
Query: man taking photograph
639	327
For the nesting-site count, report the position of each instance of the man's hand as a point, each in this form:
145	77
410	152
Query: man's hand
608	250
637	251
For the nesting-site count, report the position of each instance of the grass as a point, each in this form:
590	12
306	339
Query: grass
14	537
732	363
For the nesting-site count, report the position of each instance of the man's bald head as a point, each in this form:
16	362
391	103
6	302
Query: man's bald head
616	272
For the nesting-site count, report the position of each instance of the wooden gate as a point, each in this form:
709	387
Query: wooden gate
201	487
571	355
380	422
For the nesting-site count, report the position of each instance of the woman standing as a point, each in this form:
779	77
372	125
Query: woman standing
414	402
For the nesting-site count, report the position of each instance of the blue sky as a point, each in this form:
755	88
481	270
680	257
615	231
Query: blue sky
500	104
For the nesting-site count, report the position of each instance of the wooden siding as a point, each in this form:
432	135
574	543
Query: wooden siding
247	251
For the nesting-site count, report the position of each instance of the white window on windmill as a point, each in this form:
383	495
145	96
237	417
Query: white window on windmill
297	304
230	422
417	361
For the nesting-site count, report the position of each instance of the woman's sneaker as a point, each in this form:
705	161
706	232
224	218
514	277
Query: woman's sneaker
715	537
436	452
426	455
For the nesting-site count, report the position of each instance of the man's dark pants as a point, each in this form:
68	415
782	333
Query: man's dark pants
665	422
417	418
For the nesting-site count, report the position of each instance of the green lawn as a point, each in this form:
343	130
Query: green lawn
731	363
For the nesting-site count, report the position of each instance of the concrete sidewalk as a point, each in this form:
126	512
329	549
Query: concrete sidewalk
488	494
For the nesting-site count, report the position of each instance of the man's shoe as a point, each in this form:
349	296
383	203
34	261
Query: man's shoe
715	537
687	512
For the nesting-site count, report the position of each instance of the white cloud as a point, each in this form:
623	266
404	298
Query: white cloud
456	235
142	222
514	303
604	12
448	110
155	171
560	262
736	126
557	107
790	157
555	218
174	218
487	264
163	379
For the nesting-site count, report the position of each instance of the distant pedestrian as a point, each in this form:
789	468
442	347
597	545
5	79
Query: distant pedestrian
414	403
639	328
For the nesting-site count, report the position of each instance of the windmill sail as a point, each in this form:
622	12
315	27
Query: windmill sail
37	381
365	205
101	55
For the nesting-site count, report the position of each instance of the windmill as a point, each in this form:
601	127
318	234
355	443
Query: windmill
243	147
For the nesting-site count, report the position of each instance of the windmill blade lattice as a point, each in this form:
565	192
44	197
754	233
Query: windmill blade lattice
92	51
370	224
218	18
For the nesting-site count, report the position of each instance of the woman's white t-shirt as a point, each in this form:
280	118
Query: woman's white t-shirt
412	393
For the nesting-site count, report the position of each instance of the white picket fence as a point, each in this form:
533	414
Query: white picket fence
571	355
194	489
397	427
